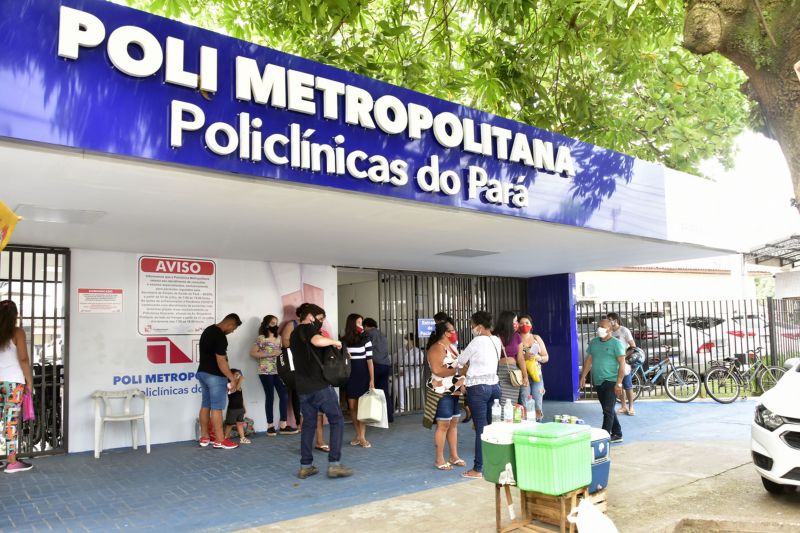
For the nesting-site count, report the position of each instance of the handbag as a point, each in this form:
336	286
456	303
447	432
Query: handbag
285	364
28	412
514	374
533	370
370	407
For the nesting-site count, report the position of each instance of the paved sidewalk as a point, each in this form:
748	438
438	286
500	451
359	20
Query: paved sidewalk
181	487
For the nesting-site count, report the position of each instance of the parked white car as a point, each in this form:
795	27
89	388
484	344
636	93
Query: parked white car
775	443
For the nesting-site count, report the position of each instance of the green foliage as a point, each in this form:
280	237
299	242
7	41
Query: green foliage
610	72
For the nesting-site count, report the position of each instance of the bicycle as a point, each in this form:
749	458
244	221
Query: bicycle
682	384
725	379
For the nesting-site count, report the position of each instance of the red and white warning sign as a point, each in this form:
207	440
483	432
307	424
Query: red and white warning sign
177	296
100	301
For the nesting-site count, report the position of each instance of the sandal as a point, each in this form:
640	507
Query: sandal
444	466
244	440
631	412
365	444
623	410
324	448
458	462
354	442
471	474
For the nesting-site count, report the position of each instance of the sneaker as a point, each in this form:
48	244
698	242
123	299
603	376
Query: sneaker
226	444
271	432
339	471
307	471
288	431
18	466
204	441
616	438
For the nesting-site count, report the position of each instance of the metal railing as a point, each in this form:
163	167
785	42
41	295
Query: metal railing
405	297
698	334
37	279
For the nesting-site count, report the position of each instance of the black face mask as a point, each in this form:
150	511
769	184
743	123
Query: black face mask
273	330
317	324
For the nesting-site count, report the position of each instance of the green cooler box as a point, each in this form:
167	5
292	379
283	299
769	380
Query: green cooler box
553	458
499	463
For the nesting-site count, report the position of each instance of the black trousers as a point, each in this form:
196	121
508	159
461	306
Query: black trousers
382	375
608	400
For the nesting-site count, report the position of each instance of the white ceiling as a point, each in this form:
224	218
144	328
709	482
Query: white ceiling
161	209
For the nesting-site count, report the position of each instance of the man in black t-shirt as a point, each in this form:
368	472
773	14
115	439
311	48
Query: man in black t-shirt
315	393
214	375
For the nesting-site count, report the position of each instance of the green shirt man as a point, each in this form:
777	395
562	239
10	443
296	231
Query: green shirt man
606	360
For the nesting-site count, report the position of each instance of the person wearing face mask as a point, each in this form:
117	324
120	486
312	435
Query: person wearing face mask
266	350
482	355
442	393
605	357
362	373
624	334
533	349
315	393
381	361
510	358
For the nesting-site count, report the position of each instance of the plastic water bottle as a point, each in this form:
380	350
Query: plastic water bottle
530	409
496	411
508	411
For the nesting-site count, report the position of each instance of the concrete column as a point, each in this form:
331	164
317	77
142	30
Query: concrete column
551	302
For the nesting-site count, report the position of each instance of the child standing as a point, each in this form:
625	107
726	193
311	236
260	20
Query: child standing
236	410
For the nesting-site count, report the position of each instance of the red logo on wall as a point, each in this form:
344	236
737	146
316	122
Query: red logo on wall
165	265
161	350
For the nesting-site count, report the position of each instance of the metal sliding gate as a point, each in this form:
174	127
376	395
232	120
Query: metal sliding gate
37	280
405	297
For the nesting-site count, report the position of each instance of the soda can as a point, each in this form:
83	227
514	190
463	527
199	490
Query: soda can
581	421
573	420
557	418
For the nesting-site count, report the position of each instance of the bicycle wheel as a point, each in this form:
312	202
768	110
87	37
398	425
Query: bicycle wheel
722	384
682	384
769	377
636	379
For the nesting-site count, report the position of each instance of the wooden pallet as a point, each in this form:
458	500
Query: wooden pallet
541	511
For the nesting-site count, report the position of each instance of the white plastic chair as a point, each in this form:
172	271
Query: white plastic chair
126	416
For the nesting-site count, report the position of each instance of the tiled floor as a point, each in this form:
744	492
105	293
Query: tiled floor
181	487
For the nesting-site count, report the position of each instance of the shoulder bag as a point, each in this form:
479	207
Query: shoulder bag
514	374
285	364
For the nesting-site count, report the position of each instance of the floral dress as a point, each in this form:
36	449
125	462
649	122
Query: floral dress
268	364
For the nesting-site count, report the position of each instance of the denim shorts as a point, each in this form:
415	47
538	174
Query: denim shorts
214	391
627	382
447	408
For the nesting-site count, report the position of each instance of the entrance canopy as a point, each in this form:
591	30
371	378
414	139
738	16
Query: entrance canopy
124	131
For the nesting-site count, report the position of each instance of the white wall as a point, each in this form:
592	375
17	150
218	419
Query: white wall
103	346
361	298
787	285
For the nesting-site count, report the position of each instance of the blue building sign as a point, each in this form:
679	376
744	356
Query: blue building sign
425	327
93	75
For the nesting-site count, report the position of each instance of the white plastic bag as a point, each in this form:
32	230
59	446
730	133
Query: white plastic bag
370	406
590	519
382	421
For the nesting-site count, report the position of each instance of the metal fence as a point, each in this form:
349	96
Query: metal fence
405	297
37	279
699	333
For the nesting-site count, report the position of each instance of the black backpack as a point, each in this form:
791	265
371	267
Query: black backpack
286	368
334	363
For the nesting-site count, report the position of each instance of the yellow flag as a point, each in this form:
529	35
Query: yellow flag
8	219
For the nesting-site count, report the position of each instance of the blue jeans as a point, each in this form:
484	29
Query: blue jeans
533	389
480	399
608	400
213	390
272	383
326	402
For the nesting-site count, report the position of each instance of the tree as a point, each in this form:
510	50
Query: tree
763	38
609	72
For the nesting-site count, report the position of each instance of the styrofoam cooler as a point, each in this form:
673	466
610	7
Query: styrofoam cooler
601	471
601	444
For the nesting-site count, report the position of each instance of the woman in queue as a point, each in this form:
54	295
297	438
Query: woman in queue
511	359
445	387
480	357
534	352
266	350
362	373
16	379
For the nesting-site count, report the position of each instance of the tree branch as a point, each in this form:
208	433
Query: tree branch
764	22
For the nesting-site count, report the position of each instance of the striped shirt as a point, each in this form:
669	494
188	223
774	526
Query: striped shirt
361	352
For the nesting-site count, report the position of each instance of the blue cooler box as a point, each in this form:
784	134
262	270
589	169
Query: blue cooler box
601	444
600	472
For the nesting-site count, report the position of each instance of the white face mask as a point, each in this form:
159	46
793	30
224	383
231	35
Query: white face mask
476	331
602	332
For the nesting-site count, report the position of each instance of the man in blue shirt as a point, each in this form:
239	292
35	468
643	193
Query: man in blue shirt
606	359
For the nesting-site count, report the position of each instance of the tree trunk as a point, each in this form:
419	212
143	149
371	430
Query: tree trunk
763	38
